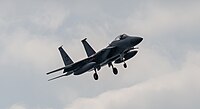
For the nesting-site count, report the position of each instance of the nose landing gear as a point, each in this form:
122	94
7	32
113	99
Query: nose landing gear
95	75
125	65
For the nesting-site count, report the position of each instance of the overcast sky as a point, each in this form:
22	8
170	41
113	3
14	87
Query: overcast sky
163	75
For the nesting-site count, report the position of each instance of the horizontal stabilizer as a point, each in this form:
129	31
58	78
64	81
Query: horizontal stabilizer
59	76
56	70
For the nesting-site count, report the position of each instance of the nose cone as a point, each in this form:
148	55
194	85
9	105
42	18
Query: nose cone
136	40
139	39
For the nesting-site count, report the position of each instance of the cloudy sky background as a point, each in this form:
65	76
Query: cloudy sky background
163	75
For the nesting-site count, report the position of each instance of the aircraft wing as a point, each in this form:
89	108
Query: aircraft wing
72	67
77	65
75	68
55	70
106	53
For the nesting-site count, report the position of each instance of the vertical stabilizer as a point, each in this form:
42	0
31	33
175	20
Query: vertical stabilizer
66	59
89	50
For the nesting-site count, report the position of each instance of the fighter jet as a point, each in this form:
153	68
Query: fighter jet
121	49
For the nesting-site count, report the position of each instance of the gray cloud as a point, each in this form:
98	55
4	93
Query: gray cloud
178	89
31	31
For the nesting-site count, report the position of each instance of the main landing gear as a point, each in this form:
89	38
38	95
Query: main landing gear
95	75
115	71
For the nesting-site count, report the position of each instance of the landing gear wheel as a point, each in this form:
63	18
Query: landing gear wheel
95	75
125	65
115	71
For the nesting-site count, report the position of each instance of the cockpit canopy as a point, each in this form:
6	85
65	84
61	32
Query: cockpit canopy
121	37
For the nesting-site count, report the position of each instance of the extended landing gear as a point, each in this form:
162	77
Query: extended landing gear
125	65
123	60
115	71
95	75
